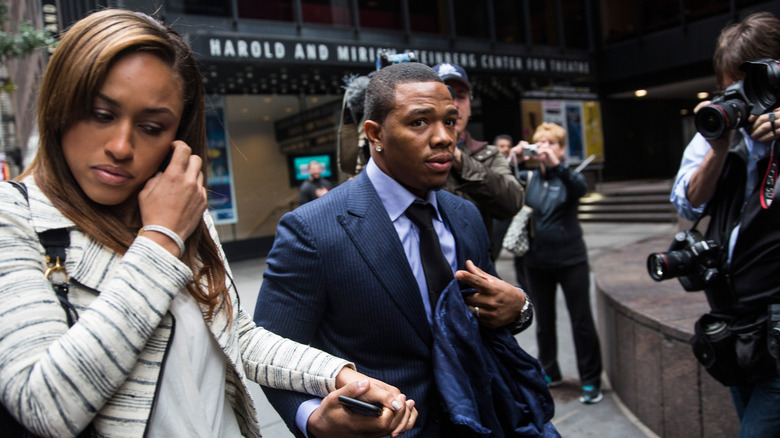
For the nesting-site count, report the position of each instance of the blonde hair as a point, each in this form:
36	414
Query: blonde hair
550	130
74	75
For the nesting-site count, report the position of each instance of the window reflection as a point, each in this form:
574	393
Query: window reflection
619	20
544	24
470	19
575	24
380	14
659	14
277	10
510	21
696	9
334	12
199	7
429	16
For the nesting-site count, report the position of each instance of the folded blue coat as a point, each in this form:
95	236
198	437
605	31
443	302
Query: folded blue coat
487	381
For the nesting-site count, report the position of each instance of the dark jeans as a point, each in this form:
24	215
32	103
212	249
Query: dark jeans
575	282
757	408
499	231
520	273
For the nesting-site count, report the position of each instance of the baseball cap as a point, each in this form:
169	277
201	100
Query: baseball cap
454	72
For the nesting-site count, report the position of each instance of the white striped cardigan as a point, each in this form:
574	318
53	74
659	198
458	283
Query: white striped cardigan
105	369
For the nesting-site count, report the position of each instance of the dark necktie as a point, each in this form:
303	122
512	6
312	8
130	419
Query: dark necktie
438	272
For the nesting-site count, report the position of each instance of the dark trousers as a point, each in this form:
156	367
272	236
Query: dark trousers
497	239
757	410
575	282
520	273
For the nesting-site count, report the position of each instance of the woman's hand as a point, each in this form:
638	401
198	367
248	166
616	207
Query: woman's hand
175	198
547	155
332	419
517	151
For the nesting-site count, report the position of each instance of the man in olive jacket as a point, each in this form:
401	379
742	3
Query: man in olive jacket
479	173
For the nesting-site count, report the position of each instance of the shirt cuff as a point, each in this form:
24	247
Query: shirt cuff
304	412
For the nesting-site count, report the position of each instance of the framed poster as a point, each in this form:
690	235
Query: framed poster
221	189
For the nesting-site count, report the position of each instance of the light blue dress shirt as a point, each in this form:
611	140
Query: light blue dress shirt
396	199
692	157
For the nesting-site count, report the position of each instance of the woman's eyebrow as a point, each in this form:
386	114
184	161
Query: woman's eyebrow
116	103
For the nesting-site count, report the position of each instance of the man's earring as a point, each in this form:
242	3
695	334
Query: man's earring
378	148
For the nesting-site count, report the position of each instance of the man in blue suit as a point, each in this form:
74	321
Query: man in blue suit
345	273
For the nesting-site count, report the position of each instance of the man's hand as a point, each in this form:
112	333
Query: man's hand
762	126
332	419
499	302
701	187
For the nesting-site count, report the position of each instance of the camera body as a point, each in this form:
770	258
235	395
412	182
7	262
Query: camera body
530	150
690	258
757	94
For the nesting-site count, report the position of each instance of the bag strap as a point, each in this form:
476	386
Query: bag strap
55	242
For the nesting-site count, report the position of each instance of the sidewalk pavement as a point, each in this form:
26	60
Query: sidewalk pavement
607	419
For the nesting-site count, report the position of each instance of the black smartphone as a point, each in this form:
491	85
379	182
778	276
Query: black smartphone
360	407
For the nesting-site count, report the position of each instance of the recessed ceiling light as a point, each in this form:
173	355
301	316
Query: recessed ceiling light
702	95
640	93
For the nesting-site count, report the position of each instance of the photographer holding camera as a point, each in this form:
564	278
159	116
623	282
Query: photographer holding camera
728	172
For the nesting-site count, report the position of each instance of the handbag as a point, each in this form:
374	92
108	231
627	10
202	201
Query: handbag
517	239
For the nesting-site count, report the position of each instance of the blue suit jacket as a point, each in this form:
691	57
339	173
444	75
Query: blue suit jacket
338	279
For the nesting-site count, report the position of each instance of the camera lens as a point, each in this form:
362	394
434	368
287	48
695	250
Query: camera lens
664	265
713	120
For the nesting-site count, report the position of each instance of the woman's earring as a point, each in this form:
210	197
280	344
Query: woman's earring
378	148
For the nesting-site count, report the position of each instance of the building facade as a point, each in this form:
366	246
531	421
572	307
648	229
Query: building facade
275	71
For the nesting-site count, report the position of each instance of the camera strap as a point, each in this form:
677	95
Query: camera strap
770	178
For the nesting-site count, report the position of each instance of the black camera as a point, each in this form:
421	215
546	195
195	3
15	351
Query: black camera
690	257
385	58
758	93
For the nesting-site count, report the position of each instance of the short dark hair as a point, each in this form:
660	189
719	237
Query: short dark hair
380	93
757	36
502	137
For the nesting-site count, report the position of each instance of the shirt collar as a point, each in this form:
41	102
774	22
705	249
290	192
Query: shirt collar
393	195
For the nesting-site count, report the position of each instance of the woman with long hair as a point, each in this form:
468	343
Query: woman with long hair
148	338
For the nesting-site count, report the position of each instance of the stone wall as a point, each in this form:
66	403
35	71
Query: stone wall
645	327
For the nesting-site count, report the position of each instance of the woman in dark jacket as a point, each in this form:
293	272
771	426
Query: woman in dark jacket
558	256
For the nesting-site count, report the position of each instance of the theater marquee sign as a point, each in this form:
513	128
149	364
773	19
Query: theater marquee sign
275	50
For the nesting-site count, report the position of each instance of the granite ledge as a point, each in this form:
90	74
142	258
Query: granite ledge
621	278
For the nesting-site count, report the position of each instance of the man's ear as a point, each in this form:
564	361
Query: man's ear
373	131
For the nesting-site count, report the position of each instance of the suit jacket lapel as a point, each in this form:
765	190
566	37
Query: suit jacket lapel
372	233
461	229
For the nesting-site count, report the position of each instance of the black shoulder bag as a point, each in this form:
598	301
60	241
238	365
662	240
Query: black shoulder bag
55	242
